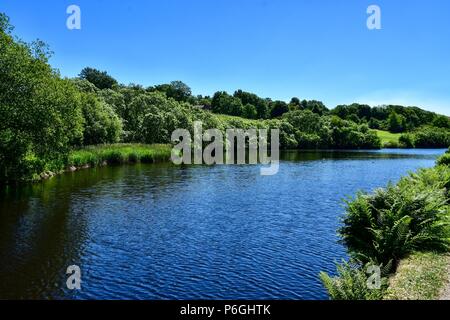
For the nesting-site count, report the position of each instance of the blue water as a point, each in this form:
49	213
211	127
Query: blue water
192	232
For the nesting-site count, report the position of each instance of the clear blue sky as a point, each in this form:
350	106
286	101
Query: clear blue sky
313	49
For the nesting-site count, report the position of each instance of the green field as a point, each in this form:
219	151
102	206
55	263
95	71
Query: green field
388	138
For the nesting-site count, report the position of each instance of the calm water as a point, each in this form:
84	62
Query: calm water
167	232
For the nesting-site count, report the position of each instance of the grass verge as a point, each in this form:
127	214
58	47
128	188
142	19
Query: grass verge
388	139
421	276
119	153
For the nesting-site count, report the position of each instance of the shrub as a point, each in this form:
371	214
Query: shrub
351	283
444	159
432	137
406	140
393	222
101	124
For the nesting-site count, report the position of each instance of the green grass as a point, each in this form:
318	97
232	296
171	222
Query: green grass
119	153
388	139
421	276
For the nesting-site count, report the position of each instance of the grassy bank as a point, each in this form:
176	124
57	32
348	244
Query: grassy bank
388	139
118	153
405	230
421	276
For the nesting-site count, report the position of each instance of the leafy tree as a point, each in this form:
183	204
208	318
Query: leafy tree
101	79
278	108
249	111
40	113
223	103
314	106
101	123
177	90
260	104
155	117
396	123
442	122
431	137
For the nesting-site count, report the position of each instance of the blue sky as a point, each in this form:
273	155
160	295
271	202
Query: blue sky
312	49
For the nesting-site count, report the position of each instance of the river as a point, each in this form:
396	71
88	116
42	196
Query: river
188	232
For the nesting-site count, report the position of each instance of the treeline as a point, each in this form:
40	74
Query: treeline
426	137
391	118
150	116
382	228
45	116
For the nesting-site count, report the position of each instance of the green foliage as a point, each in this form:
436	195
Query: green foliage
396	123
385	227
431	137
397	220
41	115
153	117
101	79
351	284
406	140
101	123
176	90
390	117
349	135
444	159
119	153
223	103
278	108
442	122
249	111
261	105
314	106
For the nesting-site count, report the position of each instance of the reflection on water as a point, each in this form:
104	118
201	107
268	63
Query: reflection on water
191	232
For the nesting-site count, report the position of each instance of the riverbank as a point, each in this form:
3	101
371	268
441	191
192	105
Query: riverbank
404	229
102	155
421	276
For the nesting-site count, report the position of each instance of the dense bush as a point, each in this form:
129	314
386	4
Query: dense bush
351	284
101	123
391	223
395	221
406	140
432	137
154	117
444	159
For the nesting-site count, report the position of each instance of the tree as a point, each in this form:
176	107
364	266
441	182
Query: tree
40	113
101	123
442	122
249	111
294	104
278	108
396	123
154	117
251	98
223	103
100	79
177	90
